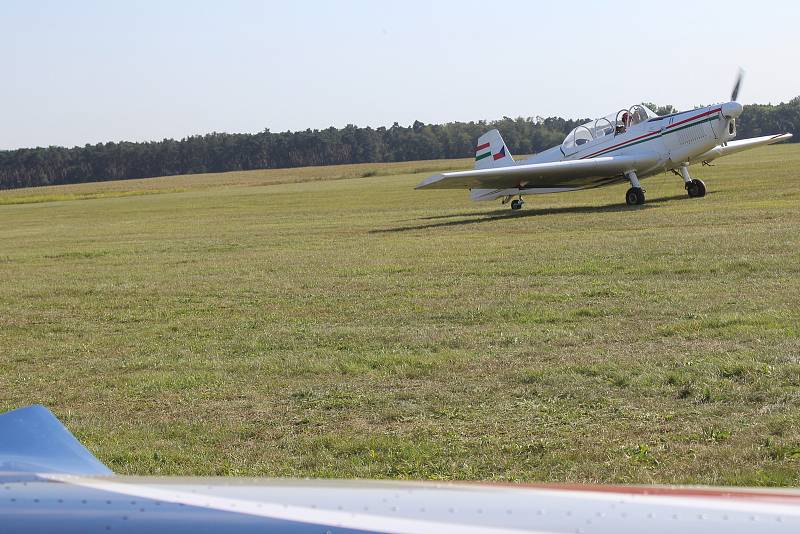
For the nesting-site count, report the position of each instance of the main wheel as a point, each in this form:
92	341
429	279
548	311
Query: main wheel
516	204
634	196
696	188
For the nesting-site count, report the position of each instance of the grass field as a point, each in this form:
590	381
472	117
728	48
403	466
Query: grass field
333	322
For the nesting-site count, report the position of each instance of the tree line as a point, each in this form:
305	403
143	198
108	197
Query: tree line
220	152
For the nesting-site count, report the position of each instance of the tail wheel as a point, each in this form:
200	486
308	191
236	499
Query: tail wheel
696	188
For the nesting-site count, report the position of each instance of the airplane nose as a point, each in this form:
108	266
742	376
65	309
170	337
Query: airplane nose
732	109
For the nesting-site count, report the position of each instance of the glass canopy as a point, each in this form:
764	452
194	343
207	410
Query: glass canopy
613	124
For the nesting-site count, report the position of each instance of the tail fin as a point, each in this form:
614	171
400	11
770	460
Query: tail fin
491	152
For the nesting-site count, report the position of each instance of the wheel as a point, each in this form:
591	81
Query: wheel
634	196
696	188
516	204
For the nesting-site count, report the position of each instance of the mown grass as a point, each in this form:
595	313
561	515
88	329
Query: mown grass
181	183
335	322
32	196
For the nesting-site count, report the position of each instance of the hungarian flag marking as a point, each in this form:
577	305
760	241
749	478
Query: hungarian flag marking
479	154
481	148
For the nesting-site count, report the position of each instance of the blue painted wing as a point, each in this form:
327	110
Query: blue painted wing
32	440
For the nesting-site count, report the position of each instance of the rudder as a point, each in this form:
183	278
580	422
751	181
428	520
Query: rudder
491	152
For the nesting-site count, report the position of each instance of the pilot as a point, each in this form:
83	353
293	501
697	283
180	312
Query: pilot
622	126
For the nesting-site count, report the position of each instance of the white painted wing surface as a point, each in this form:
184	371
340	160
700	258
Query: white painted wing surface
738	146
306	506
539	174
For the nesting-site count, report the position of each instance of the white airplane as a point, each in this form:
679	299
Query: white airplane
628	145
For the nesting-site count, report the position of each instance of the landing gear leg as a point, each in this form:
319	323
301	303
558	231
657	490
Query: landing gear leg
635	195
518	203
695	188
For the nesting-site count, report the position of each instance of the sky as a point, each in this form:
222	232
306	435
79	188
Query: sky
85	71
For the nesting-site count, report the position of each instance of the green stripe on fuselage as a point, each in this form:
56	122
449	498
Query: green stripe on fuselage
484	155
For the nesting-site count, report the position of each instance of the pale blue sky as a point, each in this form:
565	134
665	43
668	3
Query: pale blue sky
77	72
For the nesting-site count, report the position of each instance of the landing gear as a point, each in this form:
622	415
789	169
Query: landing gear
635	195
695	188
517	204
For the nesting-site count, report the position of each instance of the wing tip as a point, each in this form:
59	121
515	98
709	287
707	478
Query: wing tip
33	440
430	180
779	138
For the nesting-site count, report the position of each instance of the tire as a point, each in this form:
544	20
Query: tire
634	196
696	189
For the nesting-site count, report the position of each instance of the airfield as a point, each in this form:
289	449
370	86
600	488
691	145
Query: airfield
334	322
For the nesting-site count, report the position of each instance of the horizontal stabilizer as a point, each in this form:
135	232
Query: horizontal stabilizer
33	440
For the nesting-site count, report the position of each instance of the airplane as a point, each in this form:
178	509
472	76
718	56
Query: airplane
50	483
629	145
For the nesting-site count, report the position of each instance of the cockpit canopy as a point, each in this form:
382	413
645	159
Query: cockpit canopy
613	124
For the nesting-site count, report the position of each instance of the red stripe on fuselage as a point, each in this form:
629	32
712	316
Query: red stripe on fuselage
481	147
693	118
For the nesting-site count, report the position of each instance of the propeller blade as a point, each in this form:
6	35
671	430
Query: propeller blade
735	92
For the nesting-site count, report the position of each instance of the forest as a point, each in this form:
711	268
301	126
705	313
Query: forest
220	152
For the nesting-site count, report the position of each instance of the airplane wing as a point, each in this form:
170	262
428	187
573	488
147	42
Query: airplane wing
738	146
524	174
32	440
50	483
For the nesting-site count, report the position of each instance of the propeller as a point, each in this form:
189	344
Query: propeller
733	109
737	86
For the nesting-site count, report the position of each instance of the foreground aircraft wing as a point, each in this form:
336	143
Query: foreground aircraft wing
32	440
527	175
737	146
49	483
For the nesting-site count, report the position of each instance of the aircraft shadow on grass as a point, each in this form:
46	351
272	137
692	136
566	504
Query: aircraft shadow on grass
476	217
